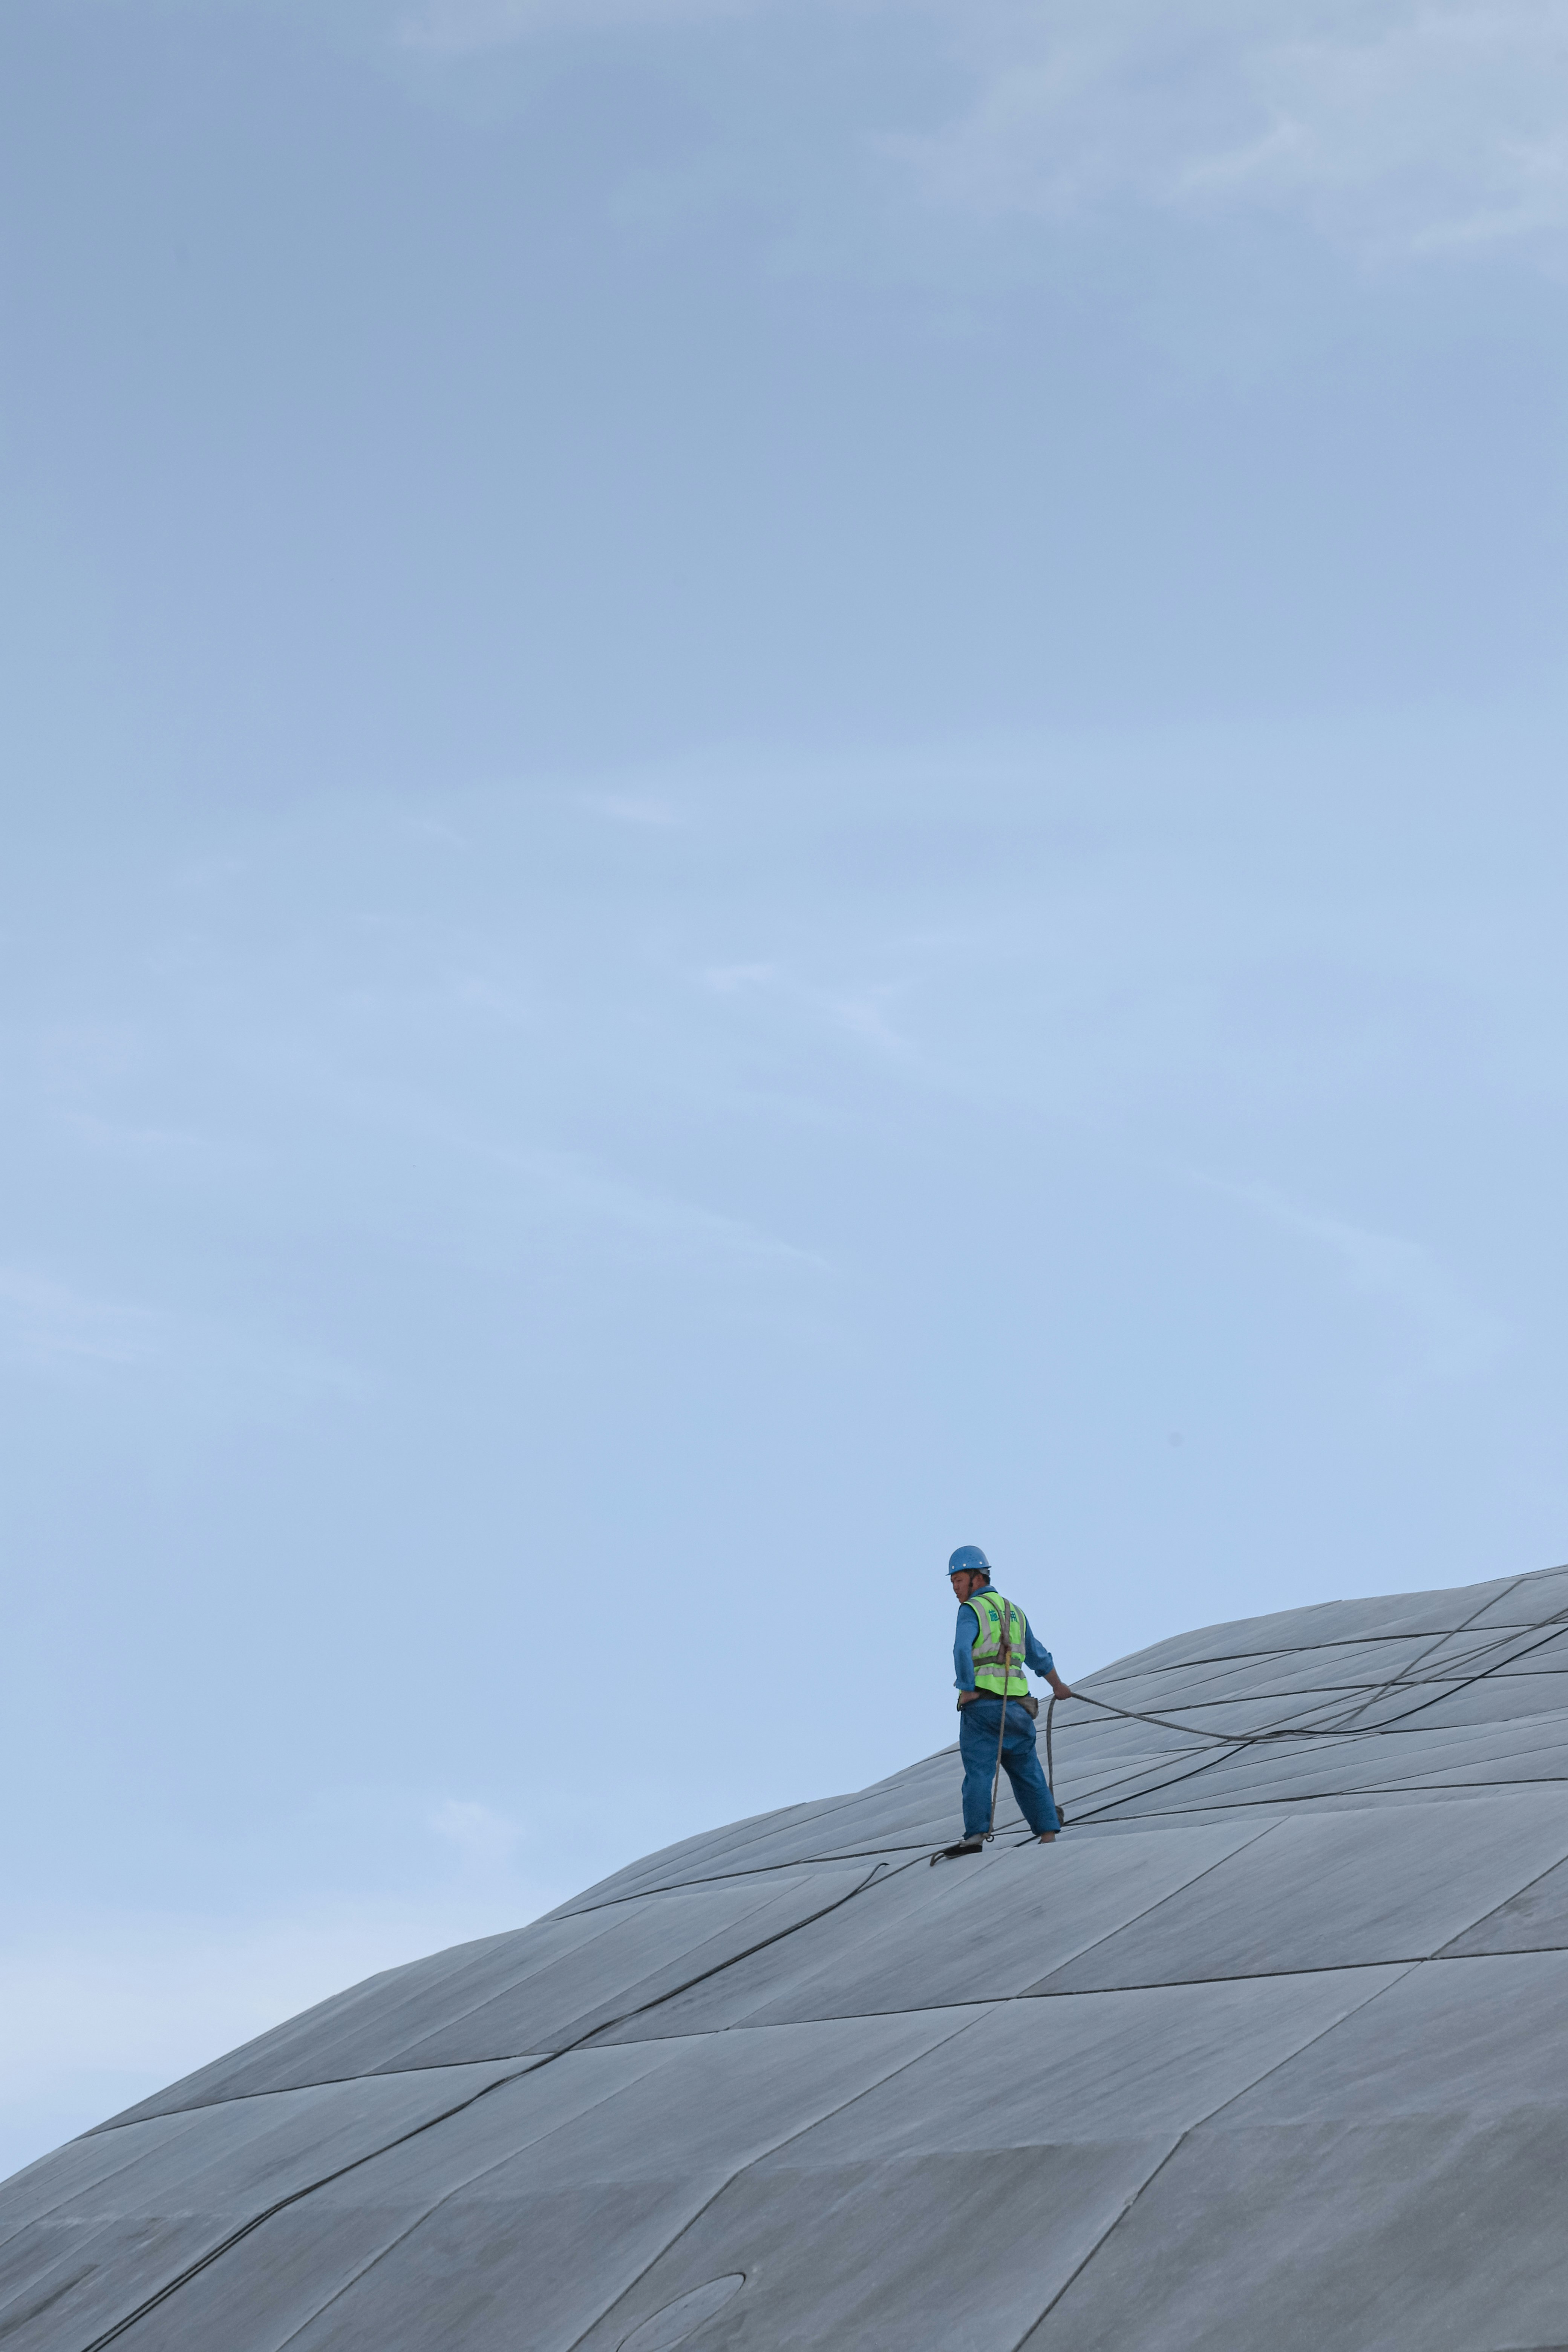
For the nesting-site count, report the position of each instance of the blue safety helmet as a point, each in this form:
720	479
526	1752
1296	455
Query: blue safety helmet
969	1560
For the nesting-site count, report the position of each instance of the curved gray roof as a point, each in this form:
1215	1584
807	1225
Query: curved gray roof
1267	2050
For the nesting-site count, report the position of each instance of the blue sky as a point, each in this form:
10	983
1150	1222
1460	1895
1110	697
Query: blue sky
783	784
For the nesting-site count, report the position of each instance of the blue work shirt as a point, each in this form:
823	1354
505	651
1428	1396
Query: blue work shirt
1038	1661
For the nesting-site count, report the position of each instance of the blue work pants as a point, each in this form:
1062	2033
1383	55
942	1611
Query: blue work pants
978	1725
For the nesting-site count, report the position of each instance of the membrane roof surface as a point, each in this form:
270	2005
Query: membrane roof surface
1270	2049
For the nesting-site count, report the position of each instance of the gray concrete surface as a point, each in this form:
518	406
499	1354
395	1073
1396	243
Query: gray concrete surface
1267	2053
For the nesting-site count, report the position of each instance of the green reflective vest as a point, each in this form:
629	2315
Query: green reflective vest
1000	1623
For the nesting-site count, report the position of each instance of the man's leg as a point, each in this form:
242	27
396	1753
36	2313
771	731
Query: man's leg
1030	1786
977	1728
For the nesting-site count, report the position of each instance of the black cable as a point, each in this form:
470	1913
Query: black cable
1546	1630
215	2253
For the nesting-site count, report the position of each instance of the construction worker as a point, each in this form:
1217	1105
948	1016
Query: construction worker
994	1643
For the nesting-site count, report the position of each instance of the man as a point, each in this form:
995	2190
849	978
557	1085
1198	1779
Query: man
993	1646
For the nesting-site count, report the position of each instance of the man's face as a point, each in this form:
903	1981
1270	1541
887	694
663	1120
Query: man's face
964	1583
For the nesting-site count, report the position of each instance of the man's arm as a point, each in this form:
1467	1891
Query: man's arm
963	1648
1040	1661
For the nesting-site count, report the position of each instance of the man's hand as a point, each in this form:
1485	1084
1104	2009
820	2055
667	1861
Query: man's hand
1057	1684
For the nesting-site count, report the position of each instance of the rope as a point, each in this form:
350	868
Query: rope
1002	1727
1188	1731
1222	1739
1544	1630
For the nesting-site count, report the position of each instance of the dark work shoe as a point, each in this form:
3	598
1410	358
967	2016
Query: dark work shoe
965	1845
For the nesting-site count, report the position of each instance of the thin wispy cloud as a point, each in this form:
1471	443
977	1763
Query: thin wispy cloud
634	809
862	1012
1456	1337
568	1184
47	1323
171	1149
484	1839
459	24
54	1331
1399	129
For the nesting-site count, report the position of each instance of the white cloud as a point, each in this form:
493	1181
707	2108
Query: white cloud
637	809
574	1187
1457	1338
459	25
47	1323
863	1012
1397	128
485	1839
54	1331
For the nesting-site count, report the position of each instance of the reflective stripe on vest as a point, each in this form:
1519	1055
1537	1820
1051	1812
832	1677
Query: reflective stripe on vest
997	1616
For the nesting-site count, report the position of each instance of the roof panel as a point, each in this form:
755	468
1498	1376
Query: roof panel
1265	2049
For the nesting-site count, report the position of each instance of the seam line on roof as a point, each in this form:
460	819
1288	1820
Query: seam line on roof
1367	1731
1406	1960
342	2005
818	1810
1083	1992
1079	2268
1405	1971
1292	1650
1450	1734
723	1877
523	2059
1338	1642
183	2115
741	2170
205	2261
1457	1752
1445	1746
1105	1814
694	2218
225	2245
1174	2150
1315	1703
1339	1799
763	1897
732	1832
1405	1673
607	2024
1547	1630
1093	1944
1459	1741
751	2162
1497	1907
1457	1677
401	2236
1150	1908
988	2001
543	2057
1455	1683
1204	1764
795	1861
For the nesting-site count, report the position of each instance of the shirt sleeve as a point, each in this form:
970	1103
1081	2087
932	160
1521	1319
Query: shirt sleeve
1038	1661
963	1648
